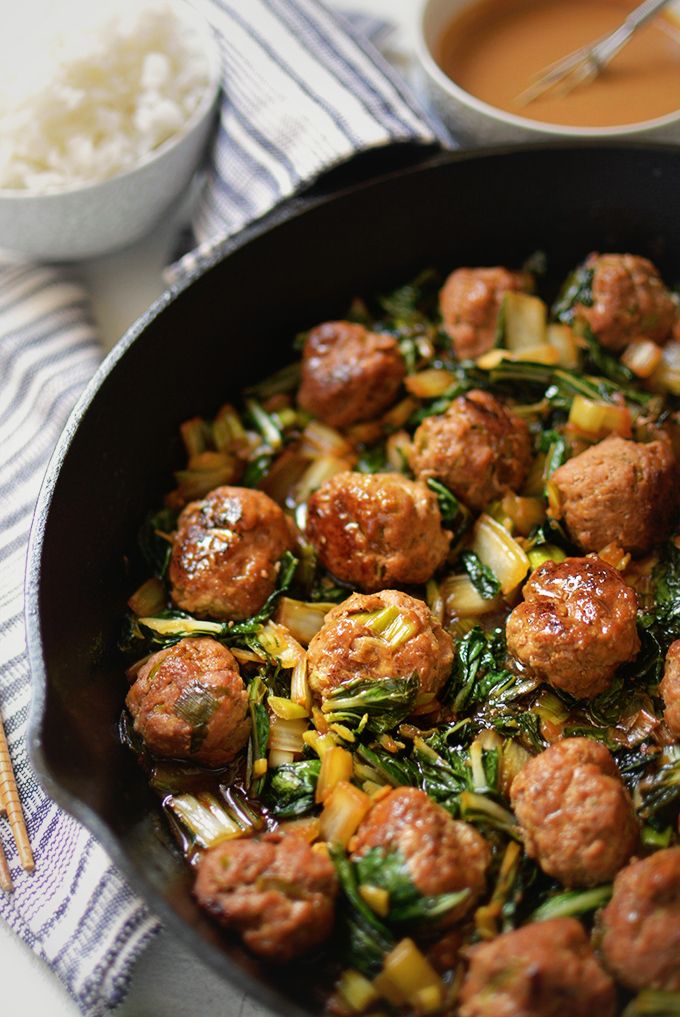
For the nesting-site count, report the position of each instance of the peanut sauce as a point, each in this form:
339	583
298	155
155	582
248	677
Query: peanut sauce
494	48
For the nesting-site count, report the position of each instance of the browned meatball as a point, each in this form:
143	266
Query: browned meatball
346	647
575	812
348	373
275	892
620	492
576	626
189	702
442	854
547	969
641	923
629	300
478	448
670	689
376	530
226	551
469	303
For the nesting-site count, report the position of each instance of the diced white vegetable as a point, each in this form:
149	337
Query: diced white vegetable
642	357
667	375
462	599
317	473
564	341
525	319
303	619
599	418
344	809
494	547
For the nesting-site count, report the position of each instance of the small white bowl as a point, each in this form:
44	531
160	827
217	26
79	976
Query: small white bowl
98	218
477	123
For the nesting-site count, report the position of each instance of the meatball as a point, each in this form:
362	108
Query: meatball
575	812
620	492
348	373
226	551
576	626
670	689
469	303
629	300
276	892
442	855
546	969
478	448
377	530
641	923
189	702
346	647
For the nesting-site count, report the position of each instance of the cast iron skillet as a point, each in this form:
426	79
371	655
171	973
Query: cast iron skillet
200	345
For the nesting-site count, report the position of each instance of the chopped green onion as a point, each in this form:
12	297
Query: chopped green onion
196	705
265	424
181	625
256	766
389	623
545	552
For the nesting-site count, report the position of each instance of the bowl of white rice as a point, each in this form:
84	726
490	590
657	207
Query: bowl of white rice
105	113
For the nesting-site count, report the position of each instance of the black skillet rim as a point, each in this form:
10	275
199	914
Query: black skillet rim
295	207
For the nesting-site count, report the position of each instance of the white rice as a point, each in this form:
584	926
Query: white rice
90	87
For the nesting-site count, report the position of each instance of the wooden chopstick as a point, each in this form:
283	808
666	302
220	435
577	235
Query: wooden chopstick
9	795
5	878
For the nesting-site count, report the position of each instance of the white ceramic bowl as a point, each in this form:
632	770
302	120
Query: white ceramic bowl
95	219
477	123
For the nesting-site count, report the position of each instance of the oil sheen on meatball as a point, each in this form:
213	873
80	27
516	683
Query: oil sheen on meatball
478	448
189	702
348	373
469	303
576	815
546	969
442	855
577	624
670	689
274	891
226	551
346	647
620	492
641	923
377	530
629	301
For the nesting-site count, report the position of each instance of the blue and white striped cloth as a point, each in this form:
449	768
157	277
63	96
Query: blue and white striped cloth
303	93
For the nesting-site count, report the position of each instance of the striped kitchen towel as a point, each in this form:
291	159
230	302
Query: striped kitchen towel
303	93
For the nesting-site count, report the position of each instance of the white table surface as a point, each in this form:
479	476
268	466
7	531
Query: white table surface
168	980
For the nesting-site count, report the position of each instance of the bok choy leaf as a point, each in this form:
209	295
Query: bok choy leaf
377	705
389	871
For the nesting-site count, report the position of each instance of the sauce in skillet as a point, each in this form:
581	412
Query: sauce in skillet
495	47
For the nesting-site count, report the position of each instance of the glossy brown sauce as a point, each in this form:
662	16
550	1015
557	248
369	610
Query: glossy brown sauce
494	48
